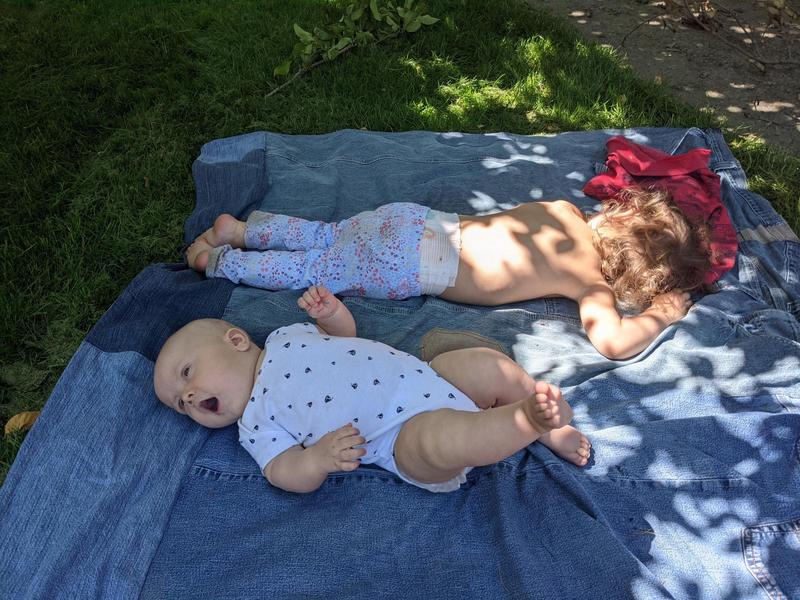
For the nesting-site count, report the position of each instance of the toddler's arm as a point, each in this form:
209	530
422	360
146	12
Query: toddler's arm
619	337
332	316
300	469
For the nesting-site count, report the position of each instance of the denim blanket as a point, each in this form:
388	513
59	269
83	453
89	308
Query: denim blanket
693	490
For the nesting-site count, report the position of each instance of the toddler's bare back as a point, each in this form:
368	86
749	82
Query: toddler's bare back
534	250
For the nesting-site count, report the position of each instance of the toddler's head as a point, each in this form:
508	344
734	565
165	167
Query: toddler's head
649	246
206	370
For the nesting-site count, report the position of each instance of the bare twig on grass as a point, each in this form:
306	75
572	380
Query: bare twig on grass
639	24
303	70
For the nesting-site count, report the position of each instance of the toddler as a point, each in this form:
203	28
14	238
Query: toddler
641	251
317	400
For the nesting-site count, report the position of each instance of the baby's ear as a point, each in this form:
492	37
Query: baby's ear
238	338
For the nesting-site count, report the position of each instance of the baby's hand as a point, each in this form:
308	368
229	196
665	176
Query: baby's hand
336	450
671	305
318	302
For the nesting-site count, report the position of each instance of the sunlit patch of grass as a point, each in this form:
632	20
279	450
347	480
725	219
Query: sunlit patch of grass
772	174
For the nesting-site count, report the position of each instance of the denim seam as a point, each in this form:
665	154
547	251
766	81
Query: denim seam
720	149
373	160
456	308
218	475
759	209
752	555
788	344
687	133
737	480
387	310
459	308
782	399
755	564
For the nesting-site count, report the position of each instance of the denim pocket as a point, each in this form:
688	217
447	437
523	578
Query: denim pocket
771	553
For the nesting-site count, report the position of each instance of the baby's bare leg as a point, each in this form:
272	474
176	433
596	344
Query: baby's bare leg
491	379
227	229
488	377
434	447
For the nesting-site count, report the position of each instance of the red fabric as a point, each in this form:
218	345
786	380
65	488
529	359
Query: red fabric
693	186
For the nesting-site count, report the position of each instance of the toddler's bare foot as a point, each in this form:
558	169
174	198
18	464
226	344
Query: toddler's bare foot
569	444
547	409
227	229
197	254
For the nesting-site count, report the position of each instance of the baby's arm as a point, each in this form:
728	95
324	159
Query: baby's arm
332	316
300	469
619	337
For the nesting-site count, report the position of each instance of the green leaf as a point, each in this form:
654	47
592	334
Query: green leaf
302	34
356	26
342	43
414	25
297	51
373	7
282	69
321	34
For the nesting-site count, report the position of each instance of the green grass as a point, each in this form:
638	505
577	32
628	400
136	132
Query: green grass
106	104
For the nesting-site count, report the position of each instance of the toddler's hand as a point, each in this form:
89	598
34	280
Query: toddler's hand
671	305
318	302
336	450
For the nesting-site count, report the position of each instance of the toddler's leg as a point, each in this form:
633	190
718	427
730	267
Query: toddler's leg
262	231
270	270
268	231
491	379
227	229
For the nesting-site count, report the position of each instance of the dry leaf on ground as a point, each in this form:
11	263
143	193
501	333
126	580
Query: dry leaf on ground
21	421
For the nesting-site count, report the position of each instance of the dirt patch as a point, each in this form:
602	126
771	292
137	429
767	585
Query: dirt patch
700	67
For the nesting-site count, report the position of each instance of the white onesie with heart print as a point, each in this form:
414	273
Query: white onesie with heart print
311	383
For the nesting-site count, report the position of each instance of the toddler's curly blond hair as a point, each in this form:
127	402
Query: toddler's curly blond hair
650	247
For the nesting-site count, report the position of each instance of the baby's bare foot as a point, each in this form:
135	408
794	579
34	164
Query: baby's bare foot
547	409
226	230
568	443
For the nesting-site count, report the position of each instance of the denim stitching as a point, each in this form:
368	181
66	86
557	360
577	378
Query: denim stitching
753	556
372	473
216	475
687	133
373	160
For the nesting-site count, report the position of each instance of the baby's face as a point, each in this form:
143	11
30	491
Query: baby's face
206	372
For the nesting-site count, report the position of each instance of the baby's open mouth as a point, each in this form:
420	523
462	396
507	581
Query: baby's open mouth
210	404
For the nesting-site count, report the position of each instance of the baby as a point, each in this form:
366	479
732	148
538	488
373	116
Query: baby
640	251
317	400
